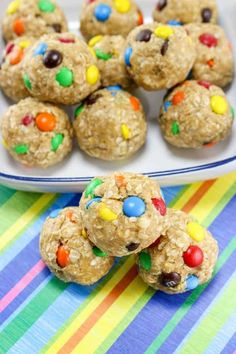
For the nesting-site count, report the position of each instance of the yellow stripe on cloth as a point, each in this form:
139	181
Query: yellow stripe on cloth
8	236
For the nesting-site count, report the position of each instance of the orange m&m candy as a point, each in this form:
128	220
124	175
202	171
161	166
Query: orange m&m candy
45	122
16	56
178	97
62	256
140	18
18	27
135	103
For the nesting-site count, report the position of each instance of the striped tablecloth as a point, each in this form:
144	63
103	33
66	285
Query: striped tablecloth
120	314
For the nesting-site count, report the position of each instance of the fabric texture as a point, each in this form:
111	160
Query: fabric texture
120	314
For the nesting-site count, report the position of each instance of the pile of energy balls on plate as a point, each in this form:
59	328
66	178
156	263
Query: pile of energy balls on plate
126	214
43	65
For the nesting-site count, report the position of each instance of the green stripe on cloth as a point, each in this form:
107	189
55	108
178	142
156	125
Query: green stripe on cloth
25	319
212	323
5	194
17	205
160	339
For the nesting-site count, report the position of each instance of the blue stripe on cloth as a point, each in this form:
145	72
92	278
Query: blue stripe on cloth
230	348
16	267
162	307
21	242
223	336
21	264
27	300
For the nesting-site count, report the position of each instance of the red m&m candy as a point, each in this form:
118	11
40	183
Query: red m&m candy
208	40
193	257
160	205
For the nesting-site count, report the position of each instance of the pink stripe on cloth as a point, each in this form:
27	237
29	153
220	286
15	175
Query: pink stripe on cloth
21	285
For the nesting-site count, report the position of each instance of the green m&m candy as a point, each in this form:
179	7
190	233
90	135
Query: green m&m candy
46	6
65	77
21	149
56	142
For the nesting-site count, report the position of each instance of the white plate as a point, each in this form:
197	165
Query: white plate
158	160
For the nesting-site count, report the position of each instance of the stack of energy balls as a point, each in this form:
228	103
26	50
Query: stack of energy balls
126	214
43	62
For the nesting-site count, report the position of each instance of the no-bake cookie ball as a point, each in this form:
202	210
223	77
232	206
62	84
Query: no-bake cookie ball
196	114
11	68
33	18
182	258
123	213
110	124
68	253
112	17
214	62
177	12
159	56
60	68
109	52
36	134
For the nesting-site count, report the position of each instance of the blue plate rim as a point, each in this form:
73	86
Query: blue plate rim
150	174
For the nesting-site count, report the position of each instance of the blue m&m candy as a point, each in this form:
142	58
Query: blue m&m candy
92	201
174	23
102	12
41	49
167	105
55	213
134	207
192	282
127	56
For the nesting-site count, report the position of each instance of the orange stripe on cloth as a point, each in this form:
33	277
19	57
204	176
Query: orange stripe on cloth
99	311
198	195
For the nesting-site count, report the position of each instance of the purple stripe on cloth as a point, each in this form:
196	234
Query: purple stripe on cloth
230	348
22	263
24	294
141	332
15	267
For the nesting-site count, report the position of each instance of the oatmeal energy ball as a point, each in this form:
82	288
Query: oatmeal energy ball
182	258
176	12
214	62
110	124
109	52
11	69
110	17
36	134
60	68
123	213
33	18
196	114
68	253
159	56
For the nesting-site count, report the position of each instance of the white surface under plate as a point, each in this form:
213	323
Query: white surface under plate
158	160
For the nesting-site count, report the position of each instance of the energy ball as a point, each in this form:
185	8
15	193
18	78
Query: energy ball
66	250
32	18
110	124
109	52
36	134
159	56
182	258
61	69
177	12
196	114
214	62
123	213
11	68
110	17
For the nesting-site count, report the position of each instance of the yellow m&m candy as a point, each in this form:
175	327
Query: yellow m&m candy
219	105
196	231
24	44
125	131
164	32
92	75
13	7
122	6
93	41
106	214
